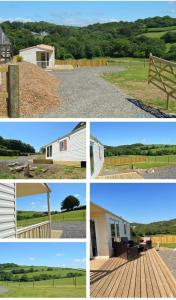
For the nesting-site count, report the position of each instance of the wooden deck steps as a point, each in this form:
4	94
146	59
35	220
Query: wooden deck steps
147	276
129	175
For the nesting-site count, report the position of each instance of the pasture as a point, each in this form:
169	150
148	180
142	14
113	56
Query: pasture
57	288
134	81
77	215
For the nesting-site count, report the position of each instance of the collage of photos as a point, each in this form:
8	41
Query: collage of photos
87	149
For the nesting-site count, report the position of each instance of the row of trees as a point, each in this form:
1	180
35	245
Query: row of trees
161	227
140	149
14	147
114	39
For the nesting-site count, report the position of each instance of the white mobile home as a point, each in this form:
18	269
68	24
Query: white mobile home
96	156
105	228
40	55
9	192
70	147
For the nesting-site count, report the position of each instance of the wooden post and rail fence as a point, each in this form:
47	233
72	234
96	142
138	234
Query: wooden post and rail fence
9	89
162	74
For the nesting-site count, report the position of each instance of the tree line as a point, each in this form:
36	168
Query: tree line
113	39
140	149
12	147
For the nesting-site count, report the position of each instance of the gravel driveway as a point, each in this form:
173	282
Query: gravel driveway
161	173
85	94
74	229
3	290
169	257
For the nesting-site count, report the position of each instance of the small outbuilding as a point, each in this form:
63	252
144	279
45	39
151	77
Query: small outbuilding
40	55
105	229
96	156
70	147
5	47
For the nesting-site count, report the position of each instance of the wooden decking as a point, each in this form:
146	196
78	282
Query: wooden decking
127	175
147	276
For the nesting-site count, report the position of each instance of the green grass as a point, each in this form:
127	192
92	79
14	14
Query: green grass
160	29
134	81
63	288
77	215
168	245
8	157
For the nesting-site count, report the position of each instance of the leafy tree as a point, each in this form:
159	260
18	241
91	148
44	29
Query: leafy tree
69	203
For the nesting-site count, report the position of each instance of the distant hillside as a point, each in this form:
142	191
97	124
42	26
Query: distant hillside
9	147
155	228
140	149
14	272
114	39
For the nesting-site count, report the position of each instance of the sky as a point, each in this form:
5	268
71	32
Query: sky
84	13
121	133
139	202
58	194
44	254
37	134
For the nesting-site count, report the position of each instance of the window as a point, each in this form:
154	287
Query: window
49	151
117	230
99	152
125	229
91	159
63	145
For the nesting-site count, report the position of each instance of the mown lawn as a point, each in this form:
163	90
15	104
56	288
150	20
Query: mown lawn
77	215
7	157
134	81
59	288
168	245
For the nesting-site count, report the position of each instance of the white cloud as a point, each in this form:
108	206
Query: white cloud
61	266
59	254
80	260
20	19
77	195
31	258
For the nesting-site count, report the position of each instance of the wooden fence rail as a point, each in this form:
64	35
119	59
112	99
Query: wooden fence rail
165	239
162	74
40	230
83	62
124	160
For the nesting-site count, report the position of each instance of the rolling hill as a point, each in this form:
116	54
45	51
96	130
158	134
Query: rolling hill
155	228
113	39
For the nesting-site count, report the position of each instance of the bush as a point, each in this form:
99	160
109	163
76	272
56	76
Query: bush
19	58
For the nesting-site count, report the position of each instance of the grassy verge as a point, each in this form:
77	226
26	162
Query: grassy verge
77	215
60	288
168	245
8	157
134	82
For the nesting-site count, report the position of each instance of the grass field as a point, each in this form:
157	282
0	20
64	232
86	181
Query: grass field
77	215
151	162
168	245
134	81
59	288
158	32
7	157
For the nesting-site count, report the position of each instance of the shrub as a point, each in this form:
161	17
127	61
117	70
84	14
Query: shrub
19	58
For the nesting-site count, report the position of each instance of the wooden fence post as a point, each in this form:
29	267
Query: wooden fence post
13	91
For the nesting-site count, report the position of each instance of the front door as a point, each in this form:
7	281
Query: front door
93	238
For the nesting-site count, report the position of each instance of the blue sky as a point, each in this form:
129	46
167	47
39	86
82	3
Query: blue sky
141	202
37	134
58	194
44	254
83	13
119	133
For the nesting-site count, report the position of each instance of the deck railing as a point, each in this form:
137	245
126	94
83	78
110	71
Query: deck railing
40	230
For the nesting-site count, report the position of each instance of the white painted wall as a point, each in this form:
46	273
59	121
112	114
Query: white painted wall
7	211
76	148
98	163
29	55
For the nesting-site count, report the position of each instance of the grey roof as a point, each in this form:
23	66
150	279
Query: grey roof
78	127
4	40
95	139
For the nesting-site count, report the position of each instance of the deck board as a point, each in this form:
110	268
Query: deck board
146	276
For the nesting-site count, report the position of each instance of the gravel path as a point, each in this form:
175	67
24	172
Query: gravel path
169	257
161	173
85	94
3	290
74	229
